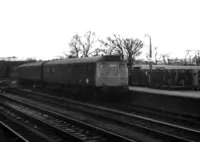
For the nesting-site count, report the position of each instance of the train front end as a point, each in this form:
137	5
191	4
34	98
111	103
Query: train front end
112	75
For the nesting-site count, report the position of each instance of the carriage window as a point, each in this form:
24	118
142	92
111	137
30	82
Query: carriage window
73	68
137	68
53	69
87	68
90	69
84	68
69	68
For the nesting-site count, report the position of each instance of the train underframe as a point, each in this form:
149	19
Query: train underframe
81	91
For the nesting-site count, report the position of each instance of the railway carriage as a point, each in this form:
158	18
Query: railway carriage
168	76
30	72
102	73
70	72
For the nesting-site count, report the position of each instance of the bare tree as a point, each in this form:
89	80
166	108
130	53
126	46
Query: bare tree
75	47
126	48
147	55
10	58
176	61
107	47
60	57
132	49
82	46
166	58
163	56
197	57
187	52
98	52
31	59
114	46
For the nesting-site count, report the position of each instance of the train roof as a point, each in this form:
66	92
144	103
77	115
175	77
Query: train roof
31	64
166	67
85	60
74	60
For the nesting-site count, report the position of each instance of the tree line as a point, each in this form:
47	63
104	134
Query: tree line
127	48
89	45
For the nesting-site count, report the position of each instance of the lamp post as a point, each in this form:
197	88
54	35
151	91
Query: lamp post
150	56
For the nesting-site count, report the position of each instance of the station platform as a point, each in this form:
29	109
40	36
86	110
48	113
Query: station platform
184	102
187	94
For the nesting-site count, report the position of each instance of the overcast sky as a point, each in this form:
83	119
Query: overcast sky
43	28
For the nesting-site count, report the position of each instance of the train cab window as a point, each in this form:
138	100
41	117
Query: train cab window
108	69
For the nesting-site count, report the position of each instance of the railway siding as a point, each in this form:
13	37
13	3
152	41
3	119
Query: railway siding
26	129
59	121
142	123
9	134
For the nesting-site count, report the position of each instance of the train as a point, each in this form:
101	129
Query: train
103	75
6	68
98	74
165	76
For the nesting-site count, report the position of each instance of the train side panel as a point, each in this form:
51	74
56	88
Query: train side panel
31	72
168	76
70	74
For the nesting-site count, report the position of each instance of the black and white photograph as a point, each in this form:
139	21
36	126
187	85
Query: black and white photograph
99	70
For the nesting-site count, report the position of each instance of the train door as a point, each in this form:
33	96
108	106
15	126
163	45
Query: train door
195	77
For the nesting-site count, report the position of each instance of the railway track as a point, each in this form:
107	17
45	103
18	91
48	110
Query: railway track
24	126
189	121
9	134
165	130
55	126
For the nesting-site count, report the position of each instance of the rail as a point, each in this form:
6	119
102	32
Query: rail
155	127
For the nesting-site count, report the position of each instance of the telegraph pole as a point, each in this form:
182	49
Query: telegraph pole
150	56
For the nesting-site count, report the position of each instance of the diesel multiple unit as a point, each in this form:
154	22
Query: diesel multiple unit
102	73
